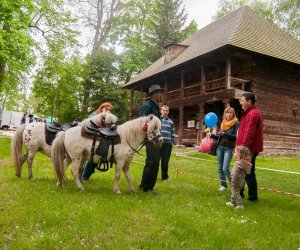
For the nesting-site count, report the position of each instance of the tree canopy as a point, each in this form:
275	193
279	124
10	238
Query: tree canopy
25	28
284	13
43	69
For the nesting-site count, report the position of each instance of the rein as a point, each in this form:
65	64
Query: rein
155	138
137	151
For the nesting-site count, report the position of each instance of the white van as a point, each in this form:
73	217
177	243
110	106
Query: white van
10	120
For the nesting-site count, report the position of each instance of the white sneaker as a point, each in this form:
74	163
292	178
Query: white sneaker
222	188
229	204
239	207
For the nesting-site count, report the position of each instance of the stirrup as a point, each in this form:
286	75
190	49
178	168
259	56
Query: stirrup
105	166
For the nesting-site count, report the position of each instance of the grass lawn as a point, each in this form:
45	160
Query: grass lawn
188	213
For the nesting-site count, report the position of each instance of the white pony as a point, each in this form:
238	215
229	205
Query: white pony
32	136
78	149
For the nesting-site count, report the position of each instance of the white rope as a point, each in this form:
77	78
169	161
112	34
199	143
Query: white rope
269	169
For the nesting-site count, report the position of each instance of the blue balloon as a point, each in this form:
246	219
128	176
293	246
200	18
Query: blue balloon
210	119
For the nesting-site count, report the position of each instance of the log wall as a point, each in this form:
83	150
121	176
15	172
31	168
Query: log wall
278	97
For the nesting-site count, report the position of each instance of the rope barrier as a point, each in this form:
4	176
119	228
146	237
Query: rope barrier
214	179
269	169
177	172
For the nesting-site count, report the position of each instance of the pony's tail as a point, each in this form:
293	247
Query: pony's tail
16	149
58	154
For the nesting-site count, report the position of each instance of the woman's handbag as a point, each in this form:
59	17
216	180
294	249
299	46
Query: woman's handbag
206	145
209	146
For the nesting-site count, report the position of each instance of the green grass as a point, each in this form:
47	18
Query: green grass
188	212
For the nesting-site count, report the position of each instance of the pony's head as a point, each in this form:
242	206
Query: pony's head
104	119
153	129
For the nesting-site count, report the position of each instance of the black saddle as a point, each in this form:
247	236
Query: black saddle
108	131
108	136
53	128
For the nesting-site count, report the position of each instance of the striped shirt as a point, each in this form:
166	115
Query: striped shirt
167	130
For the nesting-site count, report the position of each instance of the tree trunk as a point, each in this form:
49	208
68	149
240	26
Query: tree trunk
103	29
6	29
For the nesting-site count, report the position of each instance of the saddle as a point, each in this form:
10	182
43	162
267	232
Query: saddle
53	128
108	136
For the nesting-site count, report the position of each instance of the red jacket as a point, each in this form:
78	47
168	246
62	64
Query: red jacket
250	132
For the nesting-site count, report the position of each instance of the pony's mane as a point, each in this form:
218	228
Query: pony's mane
133	129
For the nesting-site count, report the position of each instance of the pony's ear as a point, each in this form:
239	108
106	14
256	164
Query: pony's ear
151	117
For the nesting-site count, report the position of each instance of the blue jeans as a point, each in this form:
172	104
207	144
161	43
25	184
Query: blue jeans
88	170
224	156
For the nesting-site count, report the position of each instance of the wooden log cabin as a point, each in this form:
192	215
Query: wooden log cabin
240	52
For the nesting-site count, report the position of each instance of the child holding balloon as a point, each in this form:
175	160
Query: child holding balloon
226	138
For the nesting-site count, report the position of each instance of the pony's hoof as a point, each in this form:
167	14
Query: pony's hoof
132	190
117	191
18	175
58	184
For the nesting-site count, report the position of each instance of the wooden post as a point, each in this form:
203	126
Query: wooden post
165	95
141	96
180	131
226	103
182	84
202	79
181	106
201	117
131	104
228	72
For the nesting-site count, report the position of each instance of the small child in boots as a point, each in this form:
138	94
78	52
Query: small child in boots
241	167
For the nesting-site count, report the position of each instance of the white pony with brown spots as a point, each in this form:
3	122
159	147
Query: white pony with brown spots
78	149
32	136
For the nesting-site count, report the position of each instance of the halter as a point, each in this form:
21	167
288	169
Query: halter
145	129
155	137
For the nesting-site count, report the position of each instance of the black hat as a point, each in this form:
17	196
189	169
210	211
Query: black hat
154	89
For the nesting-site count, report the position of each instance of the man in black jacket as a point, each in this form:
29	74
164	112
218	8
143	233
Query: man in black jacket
151	167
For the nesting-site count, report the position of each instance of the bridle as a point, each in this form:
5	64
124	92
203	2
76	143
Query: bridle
154	139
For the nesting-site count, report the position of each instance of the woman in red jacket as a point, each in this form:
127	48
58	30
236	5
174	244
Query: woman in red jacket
250	134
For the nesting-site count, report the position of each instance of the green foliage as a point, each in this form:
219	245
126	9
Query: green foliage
104	86
284	13
53	23
144	27
187	213
167	26
26	26
64	87
15	43
57	88
227	6
287	13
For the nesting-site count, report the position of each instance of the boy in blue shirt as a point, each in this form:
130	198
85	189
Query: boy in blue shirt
168	136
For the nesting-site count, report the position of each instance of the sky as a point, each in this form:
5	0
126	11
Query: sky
201	11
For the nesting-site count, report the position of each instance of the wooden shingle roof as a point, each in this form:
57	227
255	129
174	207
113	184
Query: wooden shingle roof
242	28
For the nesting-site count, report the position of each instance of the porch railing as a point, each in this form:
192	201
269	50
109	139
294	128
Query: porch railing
195	89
